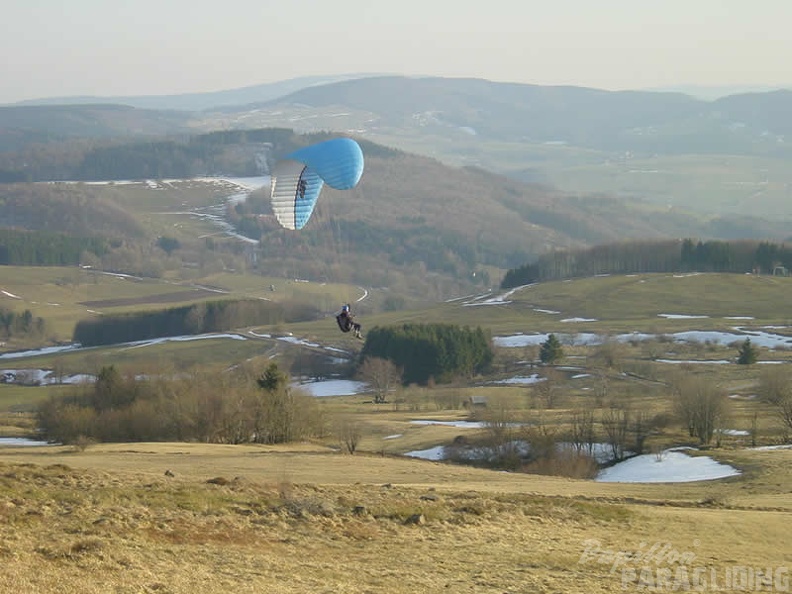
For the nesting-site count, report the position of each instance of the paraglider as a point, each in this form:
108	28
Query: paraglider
297	179
347	323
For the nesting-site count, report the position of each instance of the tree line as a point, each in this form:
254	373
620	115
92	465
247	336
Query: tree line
165	157
198	318
14	324
431	352
42	248
220	407
686	255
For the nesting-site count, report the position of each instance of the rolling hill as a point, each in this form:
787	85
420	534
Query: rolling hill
726	156
642	122
413	222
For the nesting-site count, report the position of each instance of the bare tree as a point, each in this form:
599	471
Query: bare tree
503	428
548	389
583	431
601	387
349	434
775	387
701	405
542	439
382	375
615	424
609	354
641	427
785	412
775	384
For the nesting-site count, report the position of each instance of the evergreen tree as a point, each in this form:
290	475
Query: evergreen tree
551	350
747	353
272	379
425	352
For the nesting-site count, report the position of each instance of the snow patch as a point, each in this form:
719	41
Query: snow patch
668	467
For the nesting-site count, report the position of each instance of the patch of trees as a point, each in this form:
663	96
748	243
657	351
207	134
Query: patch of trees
701	405
230	152
13	324
653	256
431	352
198	318
75	209
513	441
222	407
27	248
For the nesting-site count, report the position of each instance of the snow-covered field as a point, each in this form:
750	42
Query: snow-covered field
669	467
337	387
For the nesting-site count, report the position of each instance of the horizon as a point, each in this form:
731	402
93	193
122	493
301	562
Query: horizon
91	48
702	92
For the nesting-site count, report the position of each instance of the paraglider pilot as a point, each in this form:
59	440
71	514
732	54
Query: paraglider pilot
346	322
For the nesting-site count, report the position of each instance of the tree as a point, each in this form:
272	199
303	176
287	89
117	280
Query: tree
276	411
349	434
615	422
110	390
701	406
609	354
582	431
272	379
551	350
747	353
775	387
168	244
548	389
382	375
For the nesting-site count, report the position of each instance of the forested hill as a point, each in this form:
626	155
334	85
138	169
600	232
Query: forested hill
637	121
32	124
235	152
738	257
407	209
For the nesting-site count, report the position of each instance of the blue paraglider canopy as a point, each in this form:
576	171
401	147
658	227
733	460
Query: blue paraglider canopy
297	180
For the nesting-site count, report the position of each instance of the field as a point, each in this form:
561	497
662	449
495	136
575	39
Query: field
252	519
189	517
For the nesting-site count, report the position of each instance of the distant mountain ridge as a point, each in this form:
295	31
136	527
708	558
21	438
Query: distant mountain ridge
198	101
723	157
637	121
641	122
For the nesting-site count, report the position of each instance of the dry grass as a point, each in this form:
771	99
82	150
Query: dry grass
152	517
302	518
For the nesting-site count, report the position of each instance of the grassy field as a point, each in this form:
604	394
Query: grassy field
187	517
300	518
63	296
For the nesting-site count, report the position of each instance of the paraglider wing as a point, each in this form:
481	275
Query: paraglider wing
295	189
298	179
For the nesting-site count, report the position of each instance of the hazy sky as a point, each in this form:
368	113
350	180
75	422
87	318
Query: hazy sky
144	47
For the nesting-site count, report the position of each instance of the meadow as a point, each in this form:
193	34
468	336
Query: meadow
190	517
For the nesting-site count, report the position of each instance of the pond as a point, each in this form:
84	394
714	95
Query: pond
21	442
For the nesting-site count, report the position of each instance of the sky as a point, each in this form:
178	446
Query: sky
54	48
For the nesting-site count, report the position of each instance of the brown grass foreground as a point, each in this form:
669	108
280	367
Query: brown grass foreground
304	519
